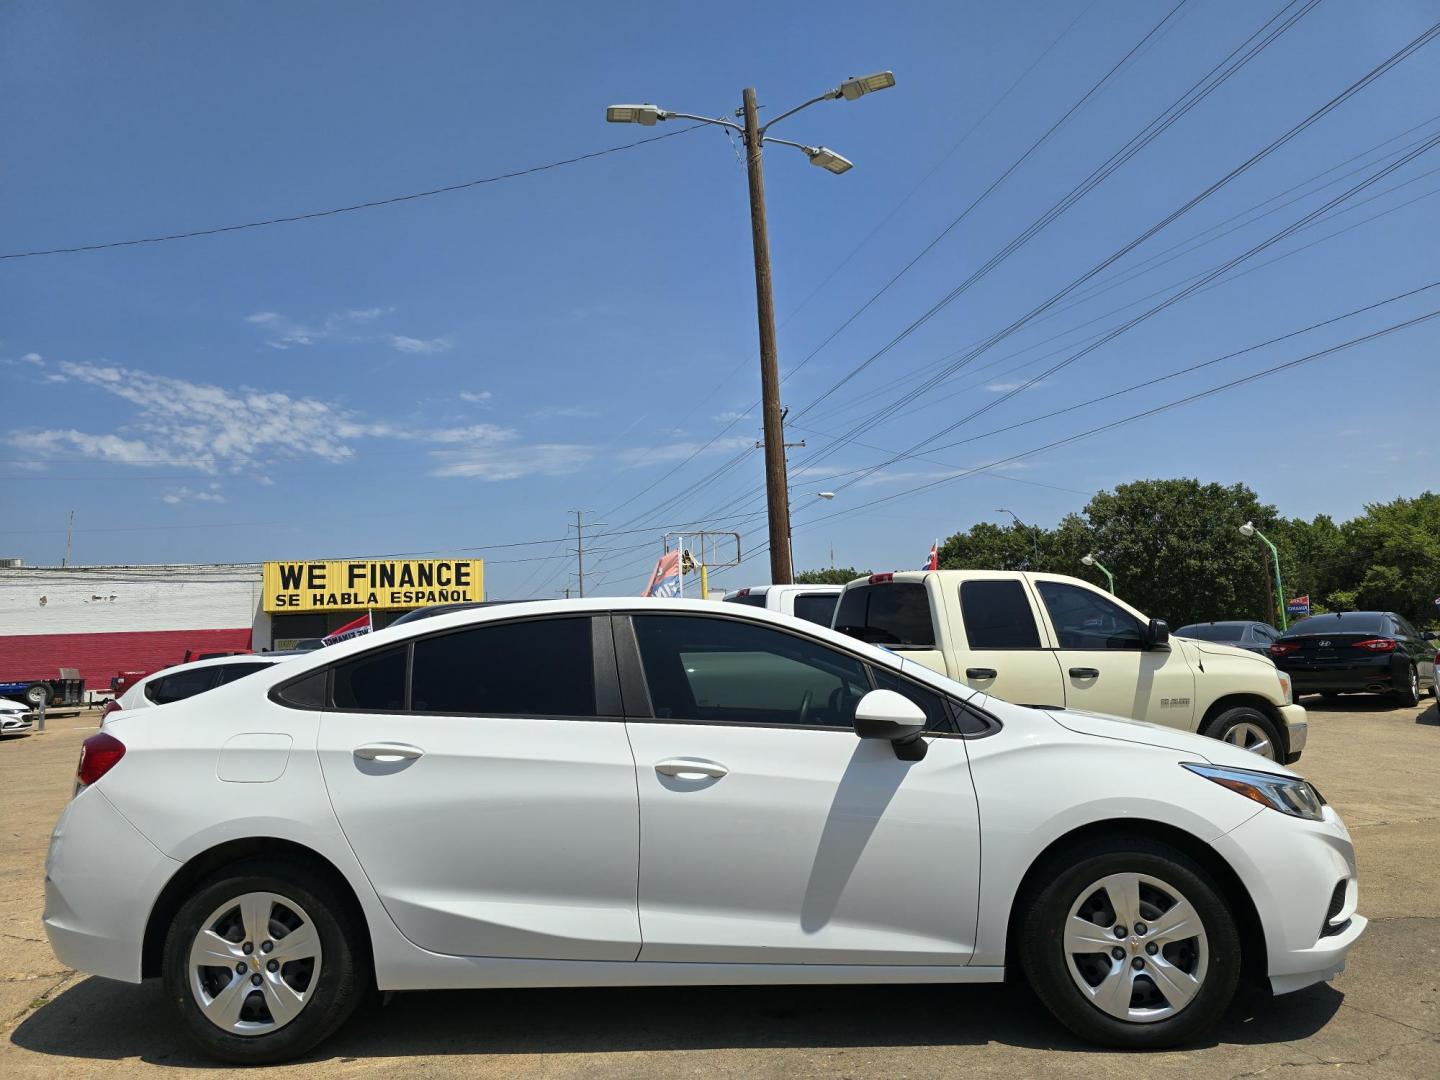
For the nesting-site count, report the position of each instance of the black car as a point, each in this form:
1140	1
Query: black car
1255	636
1376	652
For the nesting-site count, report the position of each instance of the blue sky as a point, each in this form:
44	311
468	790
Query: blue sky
460	371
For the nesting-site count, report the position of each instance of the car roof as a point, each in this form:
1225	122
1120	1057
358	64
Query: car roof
216	661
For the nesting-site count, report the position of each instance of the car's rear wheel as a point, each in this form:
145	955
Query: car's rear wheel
1249	729
1130	944
1407	694
261	963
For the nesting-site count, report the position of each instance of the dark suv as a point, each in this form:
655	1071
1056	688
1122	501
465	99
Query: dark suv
1375	652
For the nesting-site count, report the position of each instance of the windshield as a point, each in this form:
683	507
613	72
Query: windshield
1348	622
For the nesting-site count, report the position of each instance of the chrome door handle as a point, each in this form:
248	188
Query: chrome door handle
690	769
388	753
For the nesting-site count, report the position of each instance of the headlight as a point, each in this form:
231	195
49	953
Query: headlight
1288	794
1286	687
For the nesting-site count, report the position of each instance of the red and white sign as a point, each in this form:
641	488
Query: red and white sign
349	630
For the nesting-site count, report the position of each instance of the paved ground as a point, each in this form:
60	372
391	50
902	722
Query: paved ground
1381	1018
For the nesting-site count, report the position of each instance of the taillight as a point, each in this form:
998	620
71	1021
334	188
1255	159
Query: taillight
881	579
743	592
1284	648
98	755
1376	644
113	705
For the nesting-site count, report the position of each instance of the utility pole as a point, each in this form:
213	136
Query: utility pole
785	481
69	535
782	570
580	526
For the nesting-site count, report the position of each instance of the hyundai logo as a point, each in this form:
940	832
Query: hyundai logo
1324	643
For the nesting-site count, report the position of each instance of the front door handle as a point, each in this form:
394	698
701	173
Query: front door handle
690	769
1084	673
980	673
388	753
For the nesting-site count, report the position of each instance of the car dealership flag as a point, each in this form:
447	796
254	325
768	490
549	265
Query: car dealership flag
932	561
1298	606
360	626
665	578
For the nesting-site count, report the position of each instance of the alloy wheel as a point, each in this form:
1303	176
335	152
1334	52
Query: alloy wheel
1135	947
1252	737
255	963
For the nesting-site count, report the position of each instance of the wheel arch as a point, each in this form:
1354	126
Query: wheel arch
1247	917
214	859
1252	701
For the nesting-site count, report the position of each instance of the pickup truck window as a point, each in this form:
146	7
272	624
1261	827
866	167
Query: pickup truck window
816	607
753	599
1086	620
997	615
895	614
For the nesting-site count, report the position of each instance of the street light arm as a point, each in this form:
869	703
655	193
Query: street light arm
829	95
702	119
786	142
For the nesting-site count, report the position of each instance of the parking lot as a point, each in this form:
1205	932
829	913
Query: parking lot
1375	763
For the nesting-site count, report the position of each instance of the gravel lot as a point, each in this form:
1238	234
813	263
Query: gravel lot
1381	1018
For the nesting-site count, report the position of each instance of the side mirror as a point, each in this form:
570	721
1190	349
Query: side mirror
1156	633
884	714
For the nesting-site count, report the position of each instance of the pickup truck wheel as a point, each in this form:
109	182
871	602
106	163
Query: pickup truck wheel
1247	728
1131	944
1407	695
38	695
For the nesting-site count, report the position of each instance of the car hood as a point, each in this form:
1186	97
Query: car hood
1137	731
1214	648
7	706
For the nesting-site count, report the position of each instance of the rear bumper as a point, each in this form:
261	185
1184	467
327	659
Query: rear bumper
101	880
1361	674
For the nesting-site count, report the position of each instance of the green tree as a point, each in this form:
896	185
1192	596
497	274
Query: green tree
830	576
1390	557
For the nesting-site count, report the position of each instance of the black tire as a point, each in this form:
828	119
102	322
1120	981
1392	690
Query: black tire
1330	696
1407	694
1046	967
1221	726
344	977
39	694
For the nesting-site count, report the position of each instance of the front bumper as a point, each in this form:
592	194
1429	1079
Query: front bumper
1290	867
101	881
1297	729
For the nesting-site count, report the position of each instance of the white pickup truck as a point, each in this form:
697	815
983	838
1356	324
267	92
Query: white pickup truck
814	603
1059	642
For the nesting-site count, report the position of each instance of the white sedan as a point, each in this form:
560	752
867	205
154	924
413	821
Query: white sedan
14	717
183	681
662	792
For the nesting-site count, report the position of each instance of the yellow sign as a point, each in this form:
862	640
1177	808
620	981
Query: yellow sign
336	585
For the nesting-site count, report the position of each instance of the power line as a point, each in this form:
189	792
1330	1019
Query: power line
370	205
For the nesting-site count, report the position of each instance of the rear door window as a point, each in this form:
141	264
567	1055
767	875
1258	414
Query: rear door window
895	614
816	607
1086	620
544	667
998	615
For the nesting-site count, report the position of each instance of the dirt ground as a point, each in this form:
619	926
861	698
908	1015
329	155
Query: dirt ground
1381	1018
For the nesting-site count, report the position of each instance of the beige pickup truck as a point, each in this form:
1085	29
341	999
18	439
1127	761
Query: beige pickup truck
1059	642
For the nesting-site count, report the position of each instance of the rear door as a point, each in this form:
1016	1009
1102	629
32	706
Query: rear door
1002	645
490	795
1104	664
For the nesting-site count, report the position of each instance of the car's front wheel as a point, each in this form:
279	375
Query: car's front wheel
1247	728
1130	944
261	962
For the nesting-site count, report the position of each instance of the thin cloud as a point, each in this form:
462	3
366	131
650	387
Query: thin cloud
476	397
641	456
404	344
210	494
561	412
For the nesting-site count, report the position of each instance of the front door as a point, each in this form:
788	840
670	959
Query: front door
769	832
490	803
1104	664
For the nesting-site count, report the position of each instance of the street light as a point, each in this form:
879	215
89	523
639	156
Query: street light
1034	534
776	491
1248	530
1090	560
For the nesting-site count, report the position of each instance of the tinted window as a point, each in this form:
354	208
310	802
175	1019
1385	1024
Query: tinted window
306	693
181	685
230	672
373	680
816	607
937	716
1351	622
998	616
1086	620
1405	627
754	599
539	668
1211	632
896	614
727	671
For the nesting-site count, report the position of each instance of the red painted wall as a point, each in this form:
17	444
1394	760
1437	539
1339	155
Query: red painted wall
100	656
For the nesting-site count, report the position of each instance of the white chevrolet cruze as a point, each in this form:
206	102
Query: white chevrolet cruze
662	792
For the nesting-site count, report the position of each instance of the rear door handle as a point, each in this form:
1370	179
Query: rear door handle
979	673
388	753
691	769
1084	673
